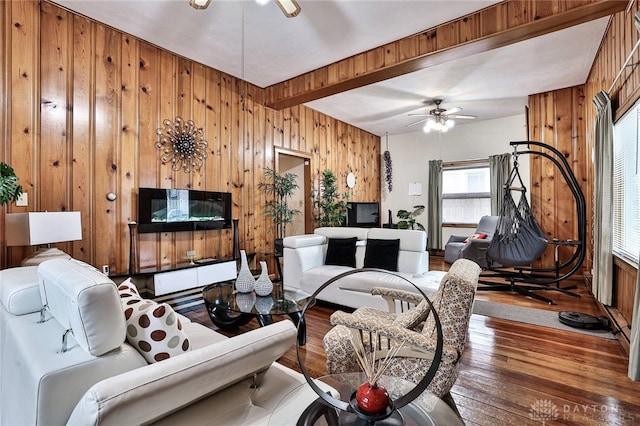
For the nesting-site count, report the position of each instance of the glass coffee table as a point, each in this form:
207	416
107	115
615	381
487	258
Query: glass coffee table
303	407
228	308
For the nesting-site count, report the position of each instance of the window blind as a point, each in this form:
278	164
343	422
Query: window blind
626	186
466	193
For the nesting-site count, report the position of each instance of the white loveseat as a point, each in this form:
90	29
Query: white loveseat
305	267
102	379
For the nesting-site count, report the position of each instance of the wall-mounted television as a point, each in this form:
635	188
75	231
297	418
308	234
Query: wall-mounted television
172	210
363	214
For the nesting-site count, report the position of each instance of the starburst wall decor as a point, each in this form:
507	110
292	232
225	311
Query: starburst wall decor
182	144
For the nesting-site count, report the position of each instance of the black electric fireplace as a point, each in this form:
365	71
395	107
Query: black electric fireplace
172	210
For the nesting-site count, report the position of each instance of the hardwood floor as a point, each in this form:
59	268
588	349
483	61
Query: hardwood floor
513	373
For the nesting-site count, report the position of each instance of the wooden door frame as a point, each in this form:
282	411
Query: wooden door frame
306	179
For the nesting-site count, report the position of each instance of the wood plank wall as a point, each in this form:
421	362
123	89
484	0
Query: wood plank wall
565	119
557	119
614	50
81	103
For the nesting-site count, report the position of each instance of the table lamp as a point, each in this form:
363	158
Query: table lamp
40	228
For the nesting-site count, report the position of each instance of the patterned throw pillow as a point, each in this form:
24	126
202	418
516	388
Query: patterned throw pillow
153	329
127	289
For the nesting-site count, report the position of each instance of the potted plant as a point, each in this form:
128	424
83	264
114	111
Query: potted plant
330	206
408	218
10	191
281	187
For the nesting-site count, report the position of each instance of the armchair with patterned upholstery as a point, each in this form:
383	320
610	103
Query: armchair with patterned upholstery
414	327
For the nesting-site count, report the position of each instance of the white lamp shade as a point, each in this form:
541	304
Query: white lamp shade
415	188
35	228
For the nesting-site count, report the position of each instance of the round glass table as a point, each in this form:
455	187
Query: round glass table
228	308
302	405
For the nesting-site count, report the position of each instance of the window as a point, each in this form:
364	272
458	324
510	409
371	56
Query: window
626	186
466	193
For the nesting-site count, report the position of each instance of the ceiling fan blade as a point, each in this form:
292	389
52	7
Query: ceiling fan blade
424	114
468	117
417	122
451	111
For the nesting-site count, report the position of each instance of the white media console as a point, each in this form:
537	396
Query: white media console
185	276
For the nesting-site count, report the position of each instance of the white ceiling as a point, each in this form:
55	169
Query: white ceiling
489	85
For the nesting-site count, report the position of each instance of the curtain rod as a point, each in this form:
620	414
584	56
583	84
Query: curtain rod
636	23
615	80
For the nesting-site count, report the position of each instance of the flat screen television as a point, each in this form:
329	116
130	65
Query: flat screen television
363	214
172	210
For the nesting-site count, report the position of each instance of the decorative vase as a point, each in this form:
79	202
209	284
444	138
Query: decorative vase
372	398
245	301
245	283
264	305
264	286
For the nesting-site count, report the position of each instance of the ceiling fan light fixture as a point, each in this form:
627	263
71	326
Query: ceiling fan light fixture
290	8
199	4
438	123
429	125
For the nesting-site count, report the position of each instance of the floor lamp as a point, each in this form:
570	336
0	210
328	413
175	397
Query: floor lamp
42	228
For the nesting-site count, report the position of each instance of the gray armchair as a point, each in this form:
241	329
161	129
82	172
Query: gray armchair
474	249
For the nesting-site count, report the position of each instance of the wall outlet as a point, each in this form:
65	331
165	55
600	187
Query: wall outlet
23	200
105	269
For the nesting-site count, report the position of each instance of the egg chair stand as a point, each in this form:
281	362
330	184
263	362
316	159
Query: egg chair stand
519	241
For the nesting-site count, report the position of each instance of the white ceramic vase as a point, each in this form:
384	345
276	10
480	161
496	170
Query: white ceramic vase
264	305
264	286
245	301
245	283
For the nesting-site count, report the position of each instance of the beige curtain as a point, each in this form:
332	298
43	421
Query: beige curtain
499	168
435	205
602	200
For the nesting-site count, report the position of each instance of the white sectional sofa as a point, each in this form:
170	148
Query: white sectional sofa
102	379
305	265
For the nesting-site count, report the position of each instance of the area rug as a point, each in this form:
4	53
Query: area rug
532	316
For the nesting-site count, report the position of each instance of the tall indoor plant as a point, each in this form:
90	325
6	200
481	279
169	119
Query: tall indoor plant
282	188
330	206
10	191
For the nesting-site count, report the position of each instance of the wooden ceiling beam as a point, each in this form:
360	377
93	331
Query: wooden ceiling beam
496	26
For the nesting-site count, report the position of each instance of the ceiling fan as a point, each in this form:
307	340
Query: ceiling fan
439	119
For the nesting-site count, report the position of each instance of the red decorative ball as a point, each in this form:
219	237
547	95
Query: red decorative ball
372	398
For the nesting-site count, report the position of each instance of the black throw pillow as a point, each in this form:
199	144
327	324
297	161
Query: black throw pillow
341	252
382	254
